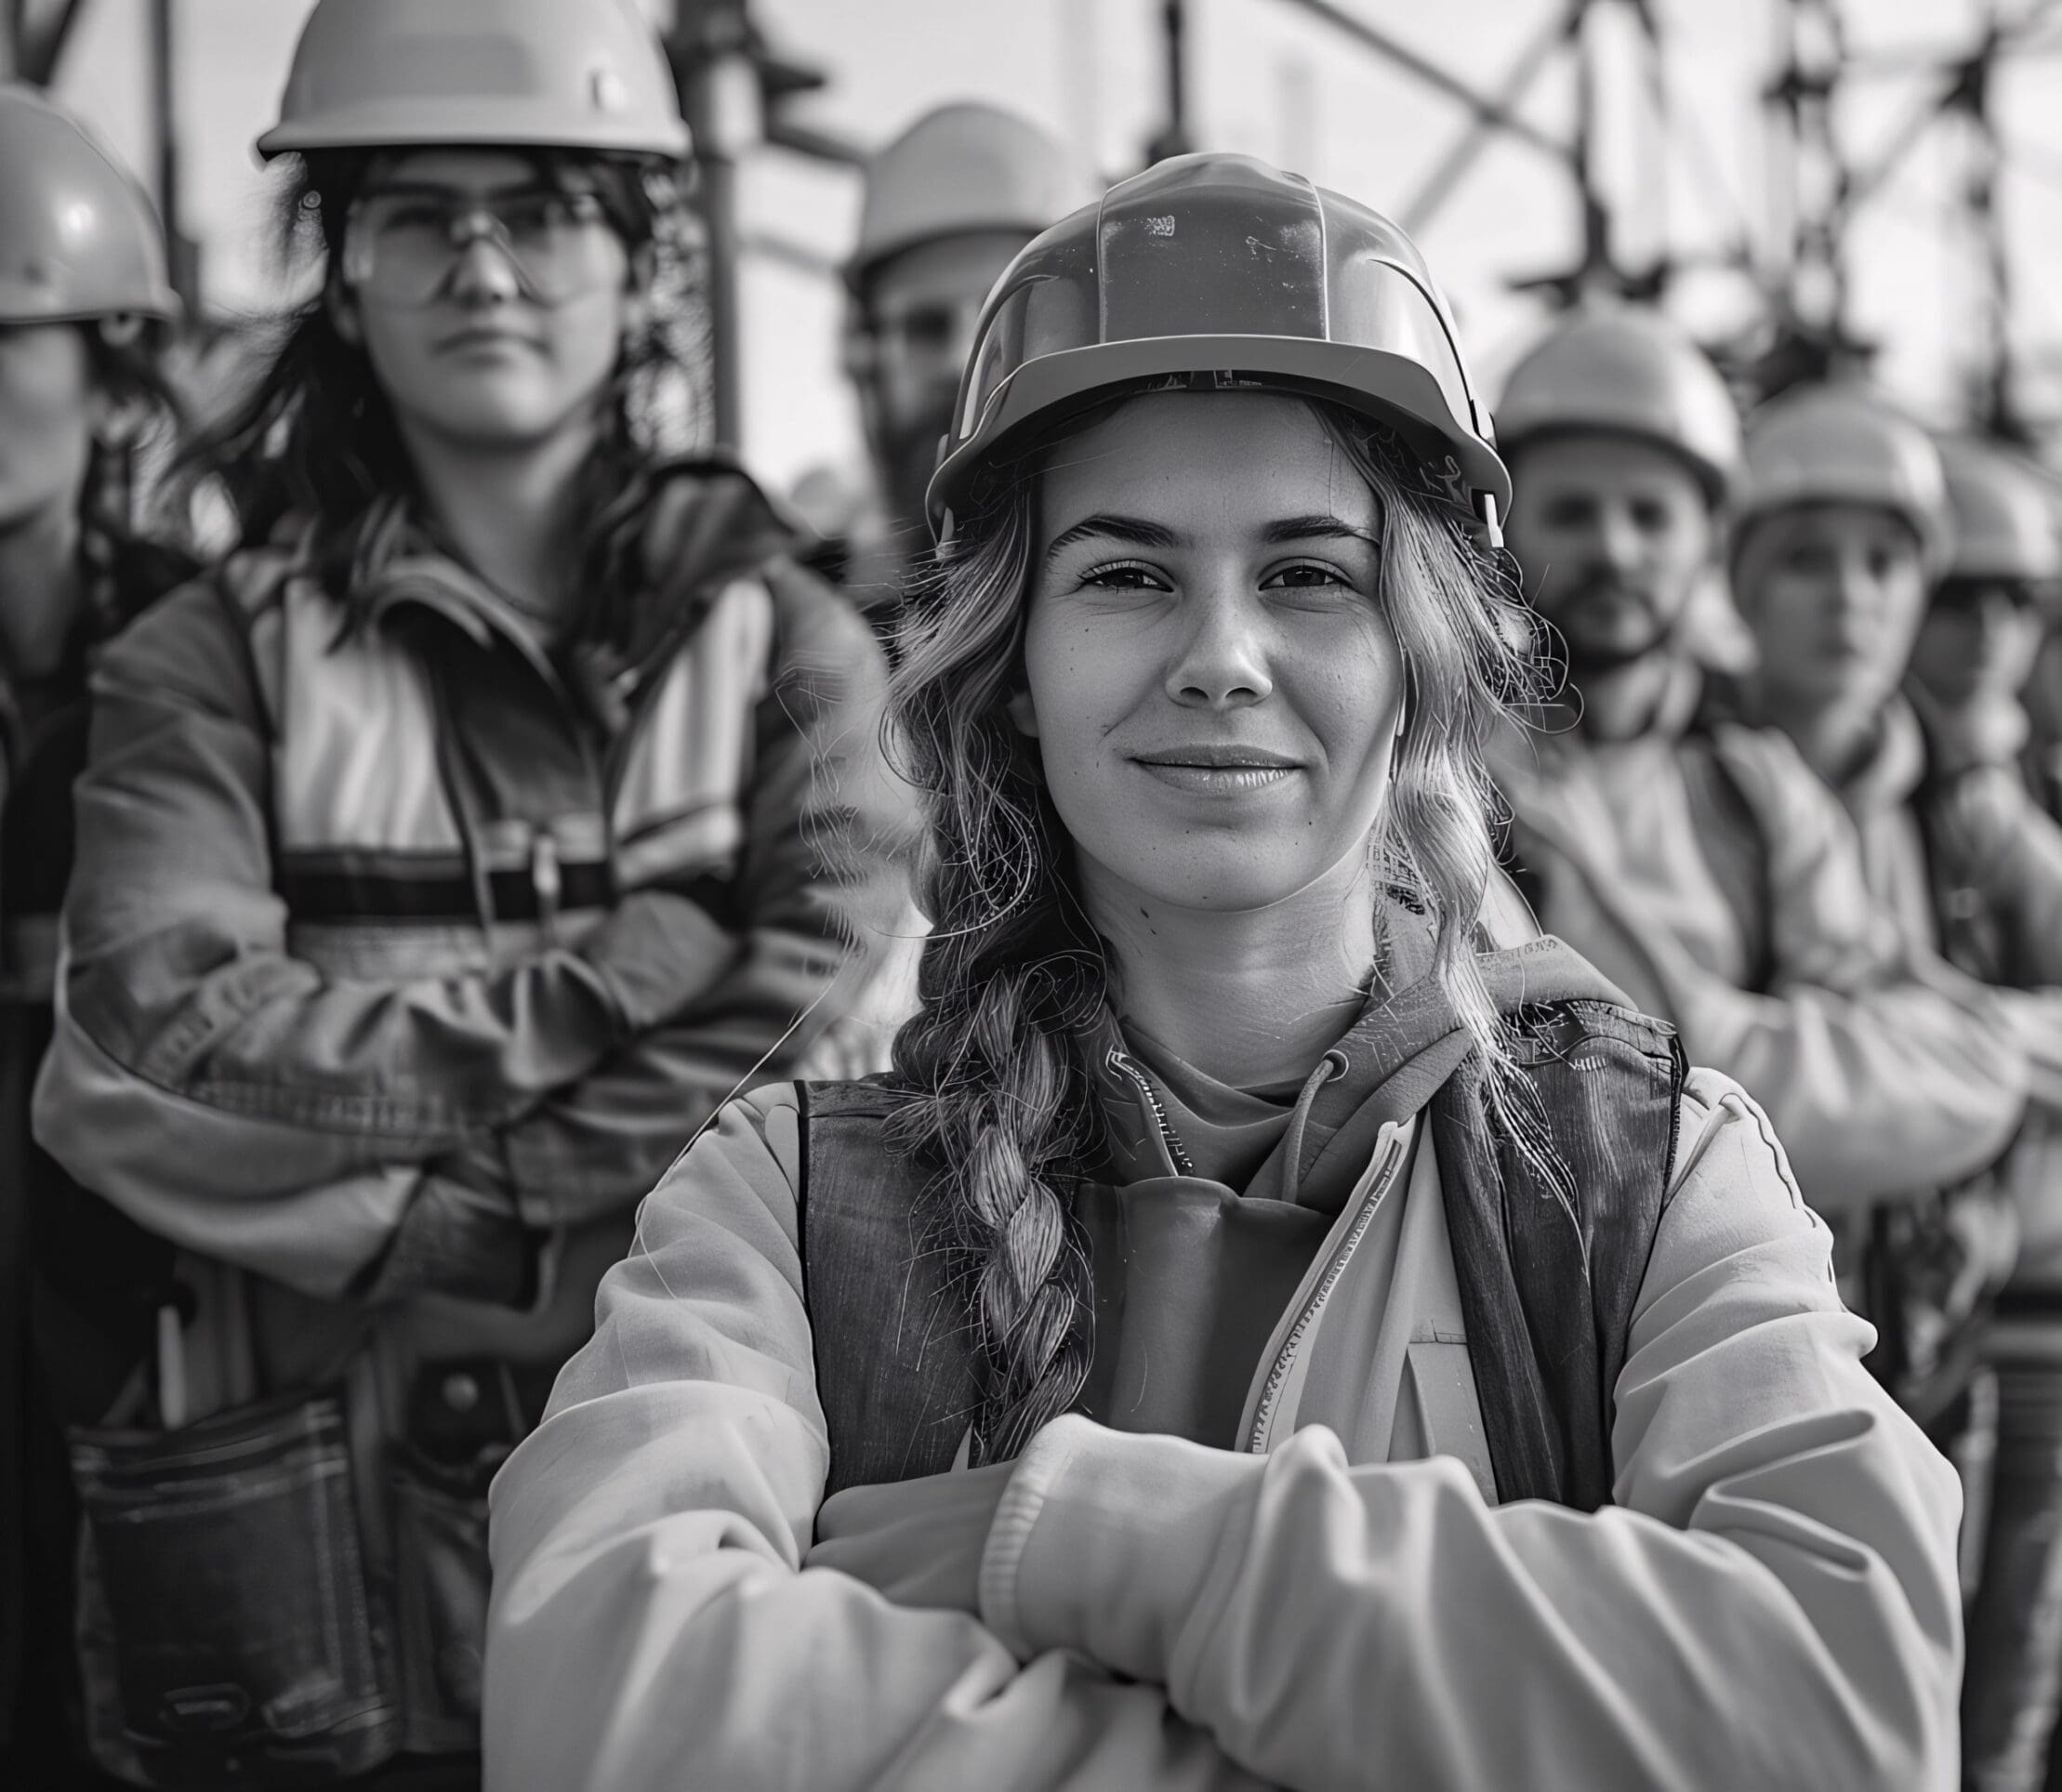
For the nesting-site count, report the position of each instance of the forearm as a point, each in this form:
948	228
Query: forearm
679	1567
202	1070
1875	1097
601	1144
1316	1617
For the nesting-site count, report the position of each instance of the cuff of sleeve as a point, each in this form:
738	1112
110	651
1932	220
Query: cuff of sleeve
1103	1541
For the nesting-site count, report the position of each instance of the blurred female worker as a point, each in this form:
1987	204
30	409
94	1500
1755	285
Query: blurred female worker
85	311
1862	551
444	859
1264	1331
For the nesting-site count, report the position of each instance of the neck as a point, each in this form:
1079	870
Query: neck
1831	738
1251	996
39	592
505	512
1620	703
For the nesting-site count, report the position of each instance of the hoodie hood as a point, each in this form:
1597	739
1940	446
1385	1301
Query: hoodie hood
1308	1144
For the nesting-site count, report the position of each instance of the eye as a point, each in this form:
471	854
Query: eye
1125	576
1649	516
1305	576
1569	512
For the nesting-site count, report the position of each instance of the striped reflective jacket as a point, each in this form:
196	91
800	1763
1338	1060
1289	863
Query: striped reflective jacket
401	955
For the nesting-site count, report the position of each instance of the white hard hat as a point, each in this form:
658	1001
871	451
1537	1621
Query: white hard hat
1611	370
960	169
2005	520
1840	443
577	74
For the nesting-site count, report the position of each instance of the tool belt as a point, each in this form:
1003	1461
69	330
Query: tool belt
284	1594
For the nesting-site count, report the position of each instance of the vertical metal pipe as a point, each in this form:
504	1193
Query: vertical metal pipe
1173	137
716	200
182	257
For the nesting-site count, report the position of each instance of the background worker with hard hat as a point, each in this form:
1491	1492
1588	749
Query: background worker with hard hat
1709	873
445	856
1848	523
85	310
946	207
1243	1407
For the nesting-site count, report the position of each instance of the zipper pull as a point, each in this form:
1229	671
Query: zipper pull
545	879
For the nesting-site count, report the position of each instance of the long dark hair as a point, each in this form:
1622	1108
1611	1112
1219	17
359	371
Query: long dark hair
316	438
1001	1095
134	543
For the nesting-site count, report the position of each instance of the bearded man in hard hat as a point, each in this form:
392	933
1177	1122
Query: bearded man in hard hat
947	206
1853	558
1709	874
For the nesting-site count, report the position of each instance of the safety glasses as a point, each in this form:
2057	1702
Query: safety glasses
402	245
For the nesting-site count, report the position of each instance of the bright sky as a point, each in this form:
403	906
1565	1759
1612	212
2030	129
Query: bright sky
1269	78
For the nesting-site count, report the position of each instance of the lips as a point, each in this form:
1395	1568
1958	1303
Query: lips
484	339
1218	756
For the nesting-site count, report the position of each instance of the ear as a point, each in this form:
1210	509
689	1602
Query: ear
343	313
1023	714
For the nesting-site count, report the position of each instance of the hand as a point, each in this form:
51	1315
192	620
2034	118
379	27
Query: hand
920	1542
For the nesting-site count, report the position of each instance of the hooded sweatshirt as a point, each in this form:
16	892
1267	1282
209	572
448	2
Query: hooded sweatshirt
1324	1603
1217	1199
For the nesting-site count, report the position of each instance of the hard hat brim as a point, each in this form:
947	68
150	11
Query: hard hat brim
1391	387
21	305
1720	482
483	125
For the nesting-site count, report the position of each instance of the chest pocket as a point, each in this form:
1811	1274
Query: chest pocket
1439	1396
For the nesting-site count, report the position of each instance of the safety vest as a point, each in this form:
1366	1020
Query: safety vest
1548	1279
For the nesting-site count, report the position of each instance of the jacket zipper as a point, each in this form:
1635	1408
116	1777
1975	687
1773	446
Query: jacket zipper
1391	1150
1176	1155
546	880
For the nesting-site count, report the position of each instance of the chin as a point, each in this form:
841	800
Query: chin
491	420
1219	888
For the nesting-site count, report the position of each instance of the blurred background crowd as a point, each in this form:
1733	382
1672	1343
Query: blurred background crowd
1765	291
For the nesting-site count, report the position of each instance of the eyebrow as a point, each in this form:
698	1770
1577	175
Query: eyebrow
1141	533
1316	528
1135	530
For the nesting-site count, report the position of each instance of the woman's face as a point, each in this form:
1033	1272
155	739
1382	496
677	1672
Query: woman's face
506	335
1977	642
1834	597
50	407
1212	684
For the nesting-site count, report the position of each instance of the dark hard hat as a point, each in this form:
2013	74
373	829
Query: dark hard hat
79	238
1221	271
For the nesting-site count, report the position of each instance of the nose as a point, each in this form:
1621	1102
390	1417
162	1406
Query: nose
1614	542
483	275
1222	661
1856	592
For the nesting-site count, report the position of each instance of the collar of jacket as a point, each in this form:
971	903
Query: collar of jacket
706	523
1893	769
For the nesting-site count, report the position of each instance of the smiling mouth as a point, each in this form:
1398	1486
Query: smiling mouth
1217	770
1213	758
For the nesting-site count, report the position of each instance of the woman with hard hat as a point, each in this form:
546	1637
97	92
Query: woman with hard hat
445	858
1268	1329
84	313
